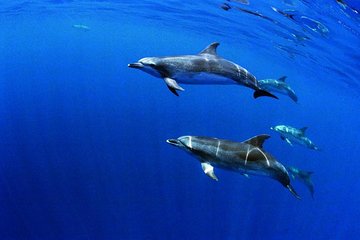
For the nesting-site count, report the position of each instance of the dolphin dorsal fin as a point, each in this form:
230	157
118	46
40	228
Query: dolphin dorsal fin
258	140
282	79
211	49
302	130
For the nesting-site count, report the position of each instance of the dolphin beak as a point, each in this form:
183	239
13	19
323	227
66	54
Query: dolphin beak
136	65
174	142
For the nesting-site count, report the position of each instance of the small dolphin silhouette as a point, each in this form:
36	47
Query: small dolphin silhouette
293	135
81	26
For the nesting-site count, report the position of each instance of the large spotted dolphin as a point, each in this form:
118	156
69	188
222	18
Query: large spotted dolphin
246	157
204	68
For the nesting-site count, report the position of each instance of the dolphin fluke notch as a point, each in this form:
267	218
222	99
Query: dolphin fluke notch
292	190
262	93
211	49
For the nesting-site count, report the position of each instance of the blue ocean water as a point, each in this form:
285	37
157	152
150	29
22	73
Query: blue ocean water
82	136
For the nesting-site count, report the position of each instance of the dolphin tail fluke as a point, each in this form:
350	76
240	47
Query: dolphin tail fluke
293	96
308	183
292	190
263	93
304	177
310	186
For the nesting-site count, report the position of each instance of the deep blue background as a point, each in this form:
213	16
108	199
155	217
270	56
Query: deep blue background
82	137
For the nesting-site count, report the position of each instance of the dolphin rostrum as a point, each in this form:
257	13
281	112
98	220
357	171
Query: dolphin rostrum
293	135
302	176
279	86
246	157
205	67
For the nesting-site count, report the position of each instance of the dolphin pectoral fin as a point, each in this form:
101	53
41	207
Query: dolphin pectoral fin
288	141
263	93
316	148
173	85
245	175
209	170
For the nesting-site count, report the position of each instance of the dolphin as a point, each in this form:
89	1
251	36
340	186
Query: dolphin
302	176
246	157
81	26
206	67
293	135
279	86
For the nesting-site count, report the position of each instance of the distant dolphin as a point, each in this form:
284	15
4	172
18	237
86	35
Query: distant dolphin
203	68
303	176
246	157
81	26
279	86
293	135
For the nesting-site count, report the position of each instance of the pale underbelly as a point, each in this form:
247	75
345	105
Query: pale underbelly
203	78
241	168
